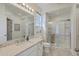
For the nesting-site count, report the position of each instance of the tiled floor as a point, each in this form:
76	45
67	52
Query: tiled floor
53	51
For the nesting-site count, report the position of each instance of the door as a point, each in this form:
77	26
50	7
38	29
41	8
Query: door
9	29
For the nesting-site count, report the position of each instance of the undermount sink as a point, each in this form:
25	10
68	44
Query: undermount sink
19	42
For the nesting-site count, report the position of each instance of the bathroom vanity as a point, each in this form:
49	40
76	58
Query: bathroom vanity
20	25
33	47
34	50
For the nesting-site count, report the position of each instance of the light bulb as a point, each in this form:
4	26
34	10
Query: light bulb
32	10
24	4
27	6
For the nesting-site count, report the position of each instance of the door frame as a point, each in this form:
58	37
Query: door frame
7	28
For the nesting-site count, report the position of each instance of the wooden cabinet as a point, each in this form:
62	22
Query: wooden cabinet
35	50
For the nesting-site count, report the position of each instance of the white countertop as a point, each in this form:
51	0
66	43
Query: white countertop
14	49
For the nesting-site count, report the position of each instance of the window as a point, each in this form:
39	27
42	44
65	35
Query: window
38	23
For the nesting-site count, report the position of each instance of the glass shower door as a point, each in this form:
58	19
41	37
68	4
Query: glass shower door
63	34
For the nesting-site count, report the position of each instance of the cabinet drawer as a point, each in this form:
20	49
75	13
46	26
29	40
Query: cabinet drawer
40	49
27	52
35	50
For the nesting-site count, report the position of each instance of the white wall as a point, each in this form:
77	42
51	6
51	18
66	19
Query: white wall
73	27
3	30
15	20
77	40
44	27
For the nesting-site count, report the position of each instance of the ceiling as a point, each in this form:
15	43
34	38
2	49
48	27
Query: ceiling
48	7
59	12
51	9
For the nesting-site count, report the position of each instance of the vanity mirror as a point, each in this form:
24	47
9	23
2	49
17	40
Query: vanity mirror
17	24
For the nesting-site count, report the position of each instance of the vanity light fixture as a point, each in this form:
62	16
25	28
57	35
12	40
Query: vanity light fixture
30	9
26	6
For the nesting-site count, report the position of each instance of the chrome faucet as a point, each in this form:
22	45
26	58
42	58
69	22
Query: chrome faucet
27	38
